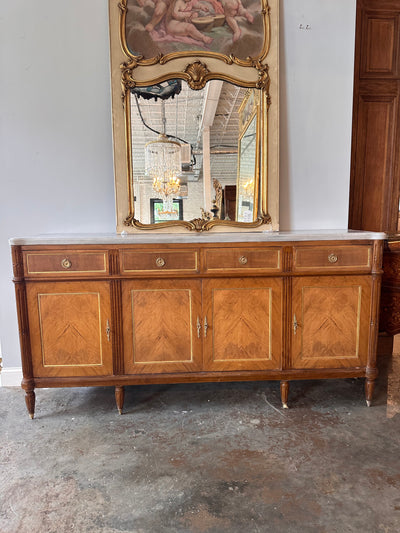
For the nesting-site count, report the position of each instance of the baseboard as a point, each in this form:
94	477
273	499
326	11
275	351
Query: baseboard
11	377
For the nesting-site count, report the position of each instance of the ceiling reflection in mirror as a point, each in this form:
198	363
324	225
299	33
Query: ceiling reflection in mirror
215	131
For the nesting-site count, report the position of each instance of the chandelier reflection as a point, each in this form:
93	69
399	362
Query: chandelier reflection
163	165
248	187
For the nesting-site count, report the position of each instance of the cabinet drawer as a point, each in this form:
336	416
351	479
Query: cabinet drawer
159	261
332	257
65	262
243	259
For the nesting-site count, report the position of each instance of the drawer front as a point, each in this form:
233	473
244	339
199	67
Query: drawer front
236	259
65	262
333	258
159	261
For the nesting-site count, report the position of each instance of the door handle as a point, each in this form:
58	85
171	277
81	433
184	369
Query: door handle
205	327
108	330
198	327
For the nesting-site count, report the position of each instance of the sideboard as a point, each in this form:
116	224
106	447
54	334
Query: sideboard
118	310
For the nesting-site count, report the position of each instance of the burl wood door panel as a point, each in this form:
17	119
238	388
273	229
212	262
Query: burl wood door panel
380	44
160	326
374	159
330	322
244	324
68	326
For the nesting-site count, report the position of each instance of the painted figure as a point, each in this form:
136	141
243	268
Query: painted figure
172	20
178	21
233	9
160	10
202	7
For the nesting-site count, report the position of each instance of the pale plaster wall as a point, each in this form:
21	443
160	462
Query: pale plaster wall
55	126
316	86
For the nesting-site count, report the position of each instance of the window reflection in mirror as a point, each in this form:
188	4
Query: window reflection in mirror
217	129
247	172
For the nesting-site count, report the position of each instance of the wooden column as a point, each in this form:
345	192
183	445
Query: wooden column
28	383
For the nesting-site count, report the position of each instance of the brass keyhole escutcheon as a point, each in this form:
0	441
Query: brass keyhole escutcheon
160	262
66	263
332	258
243	260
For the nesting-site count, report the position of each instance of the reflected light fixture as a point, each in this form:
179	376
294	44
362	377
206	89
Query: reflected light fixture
248	187
163	165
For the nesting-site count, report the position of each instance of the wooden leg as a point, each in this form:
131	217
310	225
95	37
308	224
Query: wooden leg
119	398
30	402
369	390
284	393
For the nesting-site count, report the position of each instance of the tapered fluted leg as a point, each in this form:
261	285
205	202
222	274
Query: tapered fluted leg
30	402
369	390
119	398
284	393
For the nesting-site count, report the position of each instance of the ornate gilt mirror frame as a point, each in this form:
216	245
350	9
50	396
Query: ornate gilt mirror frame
154	63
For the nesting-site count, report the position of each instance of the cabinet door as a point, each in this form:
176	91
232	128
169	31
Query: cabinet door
160	326
330	322
243	324
70	328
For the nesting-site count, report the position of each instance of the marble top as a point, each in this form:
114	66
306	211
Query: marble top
159	238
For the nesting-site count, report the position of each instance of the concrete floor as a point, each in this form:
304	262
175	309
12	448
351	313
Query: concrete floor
204	458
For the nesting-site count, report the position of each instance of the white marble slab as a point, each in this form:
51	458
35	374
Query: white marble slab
159	238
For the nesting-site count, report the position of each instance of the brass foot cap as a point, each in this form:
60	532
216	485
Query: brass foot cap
285	406
368	403
31	415
120	411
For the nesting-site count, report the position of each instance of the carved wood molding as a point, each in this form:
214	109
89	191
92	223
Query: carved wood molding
198	224
18	263
116	319
114	262
23	325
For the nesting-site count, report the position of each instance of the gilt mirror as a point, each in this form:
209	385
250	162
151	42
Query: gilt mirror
195	114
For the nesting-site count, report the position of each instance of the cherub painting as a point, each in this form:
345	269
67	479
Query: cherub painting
223	26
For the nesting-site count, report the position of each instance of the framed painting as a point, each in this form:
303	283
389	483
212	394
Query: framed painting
164	28
164	52
159	215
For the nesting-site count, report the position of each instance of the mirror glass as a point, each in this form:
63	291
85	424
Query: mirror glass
247	172
215	130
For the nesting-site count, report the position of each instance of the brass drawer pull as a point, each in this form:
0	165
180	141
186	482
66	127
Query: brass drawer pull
332	258
66	263
243	260
160	262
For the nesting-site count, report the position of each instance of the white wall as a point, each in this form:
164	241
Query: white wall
55	141
55	138
316	85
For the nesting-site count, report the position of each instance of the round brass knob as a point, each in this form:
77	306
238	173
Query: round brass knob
66	263
242	260
332	258
160	262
